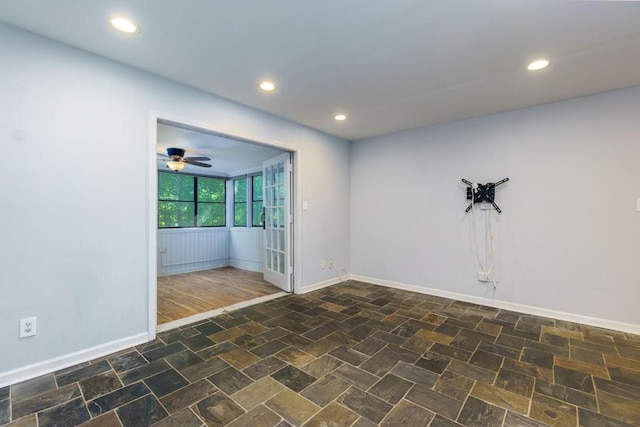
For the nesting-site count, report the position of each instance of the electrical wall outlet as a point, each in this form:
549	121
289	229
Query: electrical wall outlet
330	263
27	327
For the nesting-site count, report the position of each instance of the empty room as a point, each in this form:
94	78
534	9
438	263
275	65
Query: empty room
320	213
211	220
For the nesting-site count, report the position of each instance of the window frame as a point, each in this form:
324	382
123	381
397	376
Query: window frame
245	203
195	200
249	199
253	201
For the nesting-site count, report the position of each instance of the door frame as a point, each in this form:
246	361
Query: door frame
152	201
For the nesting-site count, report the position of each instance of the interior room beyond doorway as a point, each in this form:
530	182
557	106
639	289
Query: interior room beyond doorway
188	294
210	237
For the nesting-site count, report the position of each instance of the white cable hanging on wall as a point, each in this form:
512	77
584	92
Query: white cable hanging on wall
484	193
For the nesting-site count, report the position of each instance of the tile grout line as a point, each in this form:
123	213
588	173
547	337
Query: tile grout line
447	310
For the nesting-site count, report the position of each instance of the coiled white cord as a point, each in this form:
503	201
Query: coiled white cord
490	238
337	270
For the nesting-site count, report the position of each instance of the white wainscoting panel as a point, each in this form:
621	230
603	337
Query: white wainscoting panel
181	250
246	248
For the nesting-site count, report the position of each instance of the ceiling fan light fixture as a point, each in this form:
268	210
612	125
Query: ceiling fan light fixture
175	166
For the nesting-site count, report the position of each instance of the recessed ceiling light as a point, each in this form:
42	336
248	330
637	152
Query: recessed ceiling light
124	25
538	65
268	86
340	117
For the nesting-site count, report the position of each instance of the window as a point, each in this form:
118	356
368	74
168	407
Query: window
211	202
240	202
256	201
190	201
247	201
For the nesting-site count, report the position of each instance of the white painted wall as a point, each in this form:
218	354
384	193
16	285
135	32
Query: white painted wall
246	248
181	250
74	245
570	233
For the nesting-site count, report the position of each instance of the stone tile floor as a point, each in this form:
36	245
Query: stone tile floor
353	354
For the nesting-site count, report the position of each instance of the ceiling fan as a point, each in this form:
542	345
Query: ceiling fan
177	161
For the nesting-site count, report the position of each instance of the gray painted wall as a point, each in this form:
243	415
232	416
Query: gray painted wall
569	232
74	130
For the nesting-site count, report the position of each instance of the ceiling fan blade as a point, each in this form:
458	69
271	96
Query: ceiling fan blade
197	158
194	163
163	155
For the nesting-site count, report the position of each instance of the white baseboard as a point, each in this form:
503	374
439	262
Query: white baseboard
47	366
323	284
41	368
169	270
218	311
506	305
243	264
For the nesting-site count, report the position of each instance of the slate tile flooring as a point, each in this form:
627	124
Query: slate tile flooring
354	354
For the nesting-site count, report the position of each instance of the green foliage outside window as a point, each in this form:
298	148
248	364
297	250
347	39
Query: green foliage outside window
240	202
190	201
256	202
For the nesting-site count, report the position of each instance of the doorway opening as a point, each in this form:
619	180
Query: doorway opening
222	235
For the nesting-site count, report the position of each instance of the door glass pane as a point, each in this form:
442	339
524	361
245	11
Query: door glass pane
267	177
281	263
281	217
281	173
280	239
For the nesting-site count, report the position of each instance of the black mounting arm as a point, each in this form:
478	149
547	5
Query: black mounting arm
479	193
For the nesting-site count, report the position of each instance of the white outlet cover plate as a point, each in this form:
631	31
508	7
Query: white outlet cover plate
27	327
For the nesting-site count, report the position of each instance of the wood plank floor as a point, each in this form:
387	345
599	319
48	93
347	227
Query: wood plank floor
186	294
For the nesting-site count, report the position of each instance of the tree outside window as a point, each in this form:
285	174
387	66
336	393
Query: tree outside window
240	202
190	201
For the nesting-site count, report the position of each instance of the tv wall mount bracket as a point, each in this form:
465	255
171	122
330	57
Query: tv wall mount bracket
480	193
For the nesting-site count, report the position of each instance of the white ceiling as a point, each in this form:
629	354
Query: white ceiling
388	65
229	157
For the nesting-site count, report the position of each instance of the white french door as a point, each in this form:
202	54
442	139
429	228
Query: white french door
278	222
